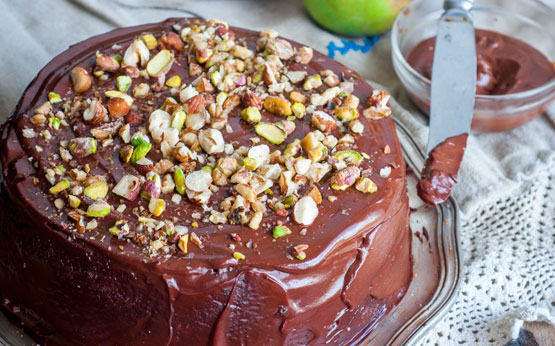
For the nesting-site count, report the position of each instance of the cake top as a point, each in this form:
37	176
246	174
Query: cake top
197	129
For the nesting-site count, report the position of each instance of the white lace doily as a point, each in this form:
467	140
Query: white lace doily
509	257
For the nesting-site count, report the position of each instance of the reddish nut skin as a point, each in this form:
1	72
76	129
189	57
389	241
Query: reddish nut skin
133	118
304	55
144	168
118	107
209	99
250	99
346	176
374	99
152	189
231	102
195	104
221	31
281	212
81	79
106	63
131	71
171	40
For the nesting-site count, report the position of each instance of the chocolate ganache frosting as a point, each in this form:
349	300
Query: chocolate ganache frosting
187	183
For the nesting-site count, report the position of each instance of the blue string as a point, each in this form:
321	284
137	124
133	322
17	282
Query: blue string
349	45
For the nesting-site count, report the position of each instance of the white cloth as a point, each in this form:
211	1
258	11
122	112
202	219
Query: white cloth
506	187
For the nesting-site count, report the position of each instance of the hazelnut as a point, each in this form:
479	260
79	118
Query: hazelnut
81	79
94	113
118	107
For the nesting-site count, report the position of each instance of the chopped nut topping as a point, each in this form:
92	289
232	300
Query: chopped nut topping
81	80
177	136
305	211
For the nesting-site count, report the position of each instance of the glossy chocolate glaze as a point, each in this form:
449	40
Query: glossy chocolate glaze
506	65
439	175
81	289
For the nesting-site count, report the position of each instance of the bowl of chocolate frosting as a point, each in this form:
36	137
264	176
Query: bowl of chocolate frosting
515	50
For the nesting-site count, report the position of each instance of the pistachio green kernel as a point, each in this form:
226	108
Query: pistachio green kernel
174	81
258	76
123	83
301	256
251	115
118	227
250	163
349	156
216	78
54	123
99	208
292	148
281	231
140	151
178	120
298	110
54	98
138	141
96	190
92	150
179	180
117	57
156	206
289	201
59	187
270	132
238	256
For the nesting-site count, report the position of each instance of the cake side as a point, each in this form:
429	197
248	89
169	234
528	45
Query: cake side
212	266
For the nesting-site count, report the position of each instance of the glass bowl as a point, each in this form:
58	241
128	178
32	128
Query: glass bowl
530	21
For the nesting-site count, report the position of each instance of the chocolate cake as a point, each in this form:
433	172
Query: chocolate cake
188	183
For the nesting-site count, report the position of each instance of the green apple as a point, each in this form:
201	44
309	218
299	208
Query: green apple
355	17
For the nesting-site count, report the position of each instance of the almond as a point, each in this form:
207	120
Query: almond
230	103
305	211
323	121
195	104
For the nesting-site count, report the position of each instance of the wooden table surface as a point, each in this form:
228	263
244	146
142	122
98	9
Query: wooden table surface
544	332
